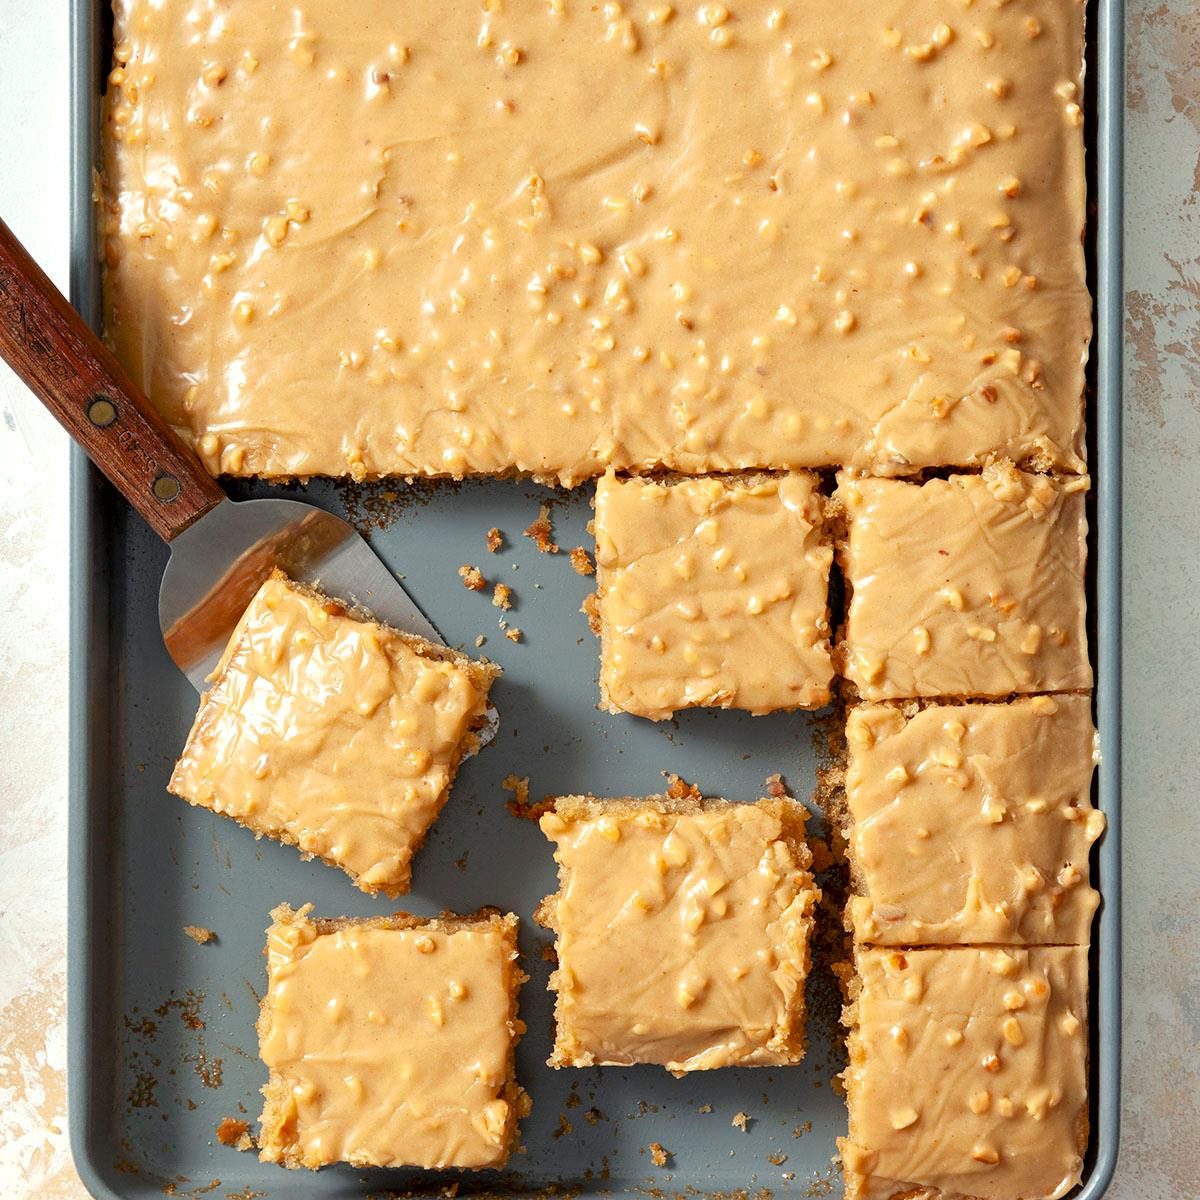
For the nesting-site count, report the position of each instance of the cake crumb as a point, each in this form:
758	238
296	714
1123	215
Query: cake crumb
495	540
777	1159
594	1116
502	596
232	1132
741	1121
519	786
472	577
541	531
513	634
480	640
679	788
581	561
801	1130
199	934
564	1127
822	856
519	805
659	1154
788	1176
704	1108
591	609
775	785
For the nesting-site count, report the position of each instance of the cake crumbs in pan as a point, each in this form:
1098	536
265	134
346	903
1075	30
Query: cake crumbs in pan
541	531
232	1132
502	596
678	788
659	1154
591	609
495	540
518	785
199	934
472	577
581	561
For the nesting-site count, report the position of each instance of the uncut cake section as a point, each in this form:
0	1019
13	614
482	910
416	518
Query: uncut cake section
781	242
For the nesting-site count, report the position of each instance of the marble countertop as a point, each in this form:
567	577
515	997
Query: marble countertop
1160	1156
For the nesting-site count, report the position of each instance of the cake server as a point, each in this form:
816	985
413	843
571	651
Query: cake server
221	549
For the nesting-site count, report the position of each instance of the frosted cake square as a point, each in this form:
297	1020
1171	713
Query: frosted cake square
972	823
681	931
971	586
712	593
335	734
390	1040
968	1073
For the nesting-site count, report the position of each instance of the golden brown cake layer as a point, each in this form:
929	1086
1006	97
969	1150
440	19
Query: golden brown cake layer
968	1073
968	586
401	238
971	823
713	593
390	1041
338	735
682	932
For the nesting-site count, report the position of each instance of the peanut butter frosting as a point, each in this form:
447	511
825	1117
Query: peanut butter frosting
972	823
713	592
338	735
967	1073
967	586
378	238
682	932
390	1042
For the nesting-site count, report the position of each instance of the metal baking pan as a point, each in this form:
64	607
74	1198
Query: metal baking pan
162	1040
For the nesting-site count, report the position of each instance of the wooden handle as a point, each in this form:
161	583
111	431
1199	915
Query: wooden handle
73	373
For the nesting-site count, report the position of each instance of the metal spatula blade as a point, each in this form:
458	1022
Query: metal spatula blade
218	563
221	550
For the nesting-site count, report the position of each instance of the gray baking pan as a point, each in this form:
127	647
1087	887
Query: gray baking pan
162	1042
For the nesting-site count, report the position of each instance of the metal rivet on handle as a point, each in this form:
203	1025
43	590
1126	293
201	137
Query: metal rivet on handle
102	412
166	488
